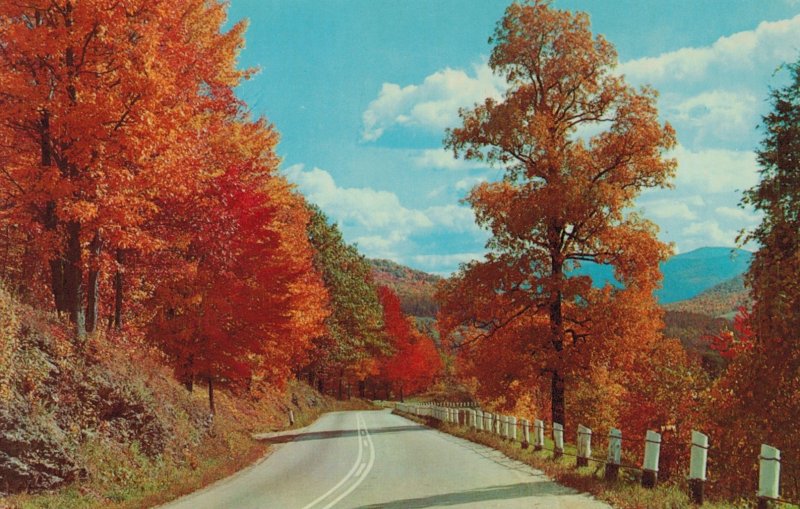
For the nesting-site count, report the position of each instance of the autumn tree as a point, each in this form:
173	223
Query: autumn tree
757	400
129	168
354	338
238	298
101	107
576	145
414	361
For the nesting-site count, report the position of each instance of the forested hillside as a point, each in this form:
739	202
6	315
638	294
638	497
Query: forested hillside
721	300
415	288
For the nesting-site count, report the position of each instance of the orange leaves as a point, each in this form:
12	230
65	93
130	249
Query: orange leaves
134	168
576	145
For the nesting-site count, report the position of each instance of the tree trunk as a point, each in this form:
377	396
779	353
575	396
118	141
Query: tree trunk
57	273
94	283
557	400
58	284
401	394
341	387
74	279
362	389
211	396
557	397
188	374
118	289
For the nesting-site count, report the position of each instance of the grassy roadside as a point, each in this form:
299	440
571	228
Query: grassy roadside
625	493
121	476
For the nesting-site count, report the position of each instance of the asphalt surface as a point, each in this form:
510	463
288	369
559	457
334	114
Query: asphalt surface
378	460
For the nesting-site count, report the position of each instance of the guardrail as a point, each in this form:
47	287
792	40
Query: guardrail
469	414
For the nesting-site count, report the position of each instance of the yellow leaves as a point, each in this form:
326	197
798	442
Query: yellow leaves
81	211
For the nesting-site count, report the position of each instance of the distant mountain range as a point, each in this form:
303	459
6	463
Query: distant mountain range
686	275
706	281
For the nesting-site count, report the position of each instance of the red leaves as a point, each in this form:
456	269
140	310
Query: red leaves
415	361
730	344
250	301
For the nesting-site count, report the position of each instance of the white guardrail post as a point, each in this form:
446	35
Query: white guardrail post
697	467
584	445
538	434
558	438
526	433
512	425
652	449
614	454
479	420
769	475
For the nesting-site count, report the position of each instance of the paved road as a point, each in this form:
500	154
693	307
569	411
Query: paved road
376	460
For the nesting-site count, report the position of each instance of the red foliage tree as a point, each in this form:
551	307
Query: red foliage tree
415	361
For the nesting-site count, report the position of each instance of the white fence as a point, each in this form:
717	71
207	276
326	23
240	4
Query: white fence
507	427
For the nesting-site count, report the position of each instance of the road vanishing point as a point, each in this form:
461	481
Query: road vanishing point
375	459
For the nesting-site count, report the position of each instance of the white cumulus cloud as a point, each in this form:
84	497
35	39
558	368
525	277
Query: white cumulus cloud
669	209
717	115
362	206
716	170
768	45
435	158
467	183
708	233
432	104
376	220
741	216
445	260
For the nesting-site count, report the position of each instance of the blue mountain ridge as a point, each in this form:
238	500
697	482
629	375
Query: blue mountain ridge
685	275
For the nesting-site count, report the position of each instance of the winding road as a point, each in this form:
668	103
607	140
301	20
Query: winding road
374	459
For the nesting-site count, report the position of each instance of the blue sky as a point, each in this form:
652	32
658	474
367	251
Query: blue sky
362	90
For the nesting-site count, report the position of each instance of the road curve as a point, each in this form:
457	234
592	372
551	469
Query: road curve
369	460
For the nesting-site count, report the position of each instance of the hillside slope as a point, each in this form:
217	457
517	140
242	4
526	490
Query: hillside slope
688	274
415	288
693	330
721	300
109	426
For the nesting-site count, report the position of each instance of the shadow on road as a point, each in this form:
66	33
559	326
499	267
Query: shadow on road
324	435
510	491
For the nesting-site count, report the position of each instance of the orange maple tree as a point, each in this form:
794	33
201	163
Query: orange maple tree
103	104
576	145
131	173
245	301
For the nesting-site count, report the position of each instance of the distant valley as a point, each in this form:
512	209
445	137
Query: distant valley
707	281
702	290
